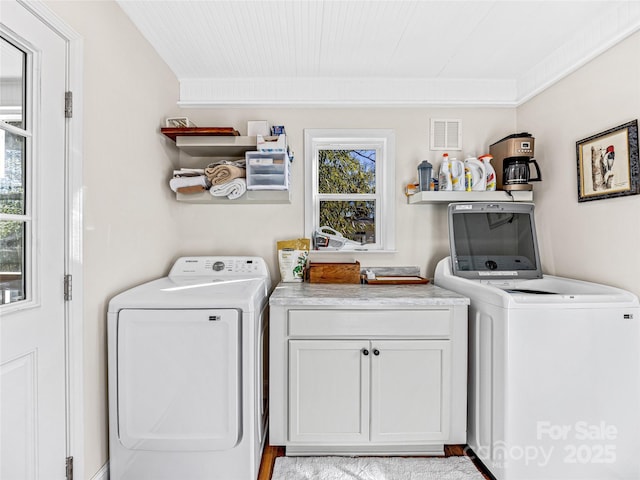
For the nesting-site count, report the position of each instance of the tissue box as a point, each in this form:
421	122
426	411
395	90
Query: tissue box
272	144
334	272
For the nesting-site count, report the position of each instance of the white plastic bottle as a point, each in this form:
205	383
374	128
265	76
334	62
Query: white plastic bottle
444	179
478	174
489	171
456	168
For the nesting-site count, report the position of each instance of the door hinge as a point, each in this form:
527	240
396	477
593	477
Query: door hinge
68	104
69	468
68	287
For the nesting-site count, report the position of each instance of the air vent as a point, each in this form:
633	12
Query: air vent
446	134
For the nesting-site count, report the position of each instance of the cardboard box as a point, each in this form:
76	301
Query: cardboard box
334	272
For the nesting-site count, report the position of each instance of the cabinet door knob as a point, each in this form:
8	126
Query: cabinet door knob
376	351
365	352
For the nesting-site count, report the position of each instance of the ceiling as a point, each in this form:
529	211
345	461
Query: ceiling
376	52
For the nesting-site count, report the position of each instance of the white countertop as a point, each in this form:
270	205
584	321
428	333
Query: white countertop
363	295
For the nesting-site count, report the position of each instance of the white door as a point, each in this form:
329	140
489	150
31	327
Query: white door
410	390
32	247
329	391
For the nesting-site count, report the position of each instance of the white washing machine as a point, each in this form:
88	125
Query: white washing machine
187	368
554	363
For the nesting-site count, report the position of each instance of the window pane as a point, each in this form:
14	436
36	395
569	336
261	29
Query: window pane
346	171
12	261
12	68
12	177
354	220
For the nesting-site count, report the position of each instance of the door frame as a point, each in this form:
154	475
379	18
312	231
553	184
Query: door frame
74	361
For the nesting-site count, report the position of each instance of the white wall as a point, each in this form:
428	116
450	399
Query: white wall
421	232
596	240
129	215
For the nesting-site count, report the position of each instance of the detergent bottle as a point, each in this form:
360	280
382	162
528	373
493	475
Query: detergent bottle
444	179
478	174
490	171
456	167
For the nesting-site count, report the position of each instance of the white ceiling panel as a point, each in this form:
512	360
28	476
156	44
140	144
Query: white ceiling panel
498	52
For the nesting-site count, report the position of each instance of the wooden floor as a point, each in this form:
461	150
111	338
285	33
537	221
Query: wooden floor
271	453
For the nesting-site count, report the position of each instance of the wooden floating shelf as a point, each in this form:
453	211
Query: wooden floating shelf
173	132
250	196
216	146
451	197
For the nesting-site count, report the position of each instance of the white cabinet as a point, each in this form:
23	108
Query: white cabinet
380	391
410	390
380	379
328	391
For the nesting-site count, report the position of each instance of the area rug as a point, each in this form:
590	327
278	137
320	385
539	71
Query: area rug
374	468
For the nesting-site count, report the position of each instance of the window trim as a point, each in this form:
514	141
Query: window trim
384	139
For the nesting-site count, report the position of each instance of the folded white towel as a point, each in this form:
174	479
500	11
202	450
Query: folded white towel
232	190
179	182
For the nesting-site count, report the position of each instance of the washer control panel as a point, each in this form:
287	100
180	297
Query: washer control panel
225	266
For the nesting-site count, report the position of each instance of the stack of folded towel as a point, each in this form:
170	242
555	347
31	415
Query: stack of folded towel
228	179
222	179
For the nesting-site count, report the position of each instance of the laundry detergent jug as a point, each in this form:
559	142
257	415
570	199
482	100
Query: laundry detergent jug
490	173
478	174
456	167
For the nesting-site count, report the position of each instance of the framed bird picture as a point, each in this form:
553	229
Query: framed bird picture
608	164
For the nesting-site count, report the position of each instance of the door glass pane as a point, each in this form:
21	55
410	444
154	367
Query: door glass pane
355	220
12	261
12	68
12	174
346	171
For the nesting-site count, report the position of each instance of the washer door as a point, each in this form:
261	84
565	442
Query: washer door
178	379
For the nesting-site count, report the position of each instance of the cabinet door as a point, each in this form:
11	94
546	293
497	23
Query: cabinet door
329	391
410	389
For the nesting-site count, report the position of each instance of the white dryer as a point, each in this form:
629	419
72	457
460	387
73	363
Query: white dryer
187	394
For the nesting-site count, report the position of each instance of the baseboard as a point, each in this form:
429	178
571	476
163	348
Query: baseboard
103	473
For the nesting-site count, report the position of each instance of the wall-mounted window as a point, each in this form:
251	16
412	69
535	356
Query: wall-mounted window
349	194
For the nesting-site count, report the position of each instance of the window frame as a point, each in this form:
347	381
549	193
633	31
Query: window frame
383	141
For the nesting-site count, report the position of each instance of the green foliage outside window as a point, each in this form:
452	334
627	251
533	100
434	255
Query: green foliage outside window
351	173
12	203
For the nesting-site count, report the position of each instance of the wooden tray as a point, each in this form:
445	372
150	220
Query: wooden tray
391	280
173	132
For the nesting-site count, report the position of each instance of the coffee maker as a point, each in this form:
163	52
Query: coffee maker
512	156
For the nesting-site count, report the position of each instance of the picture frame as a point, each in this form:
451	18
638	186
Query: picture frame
608	164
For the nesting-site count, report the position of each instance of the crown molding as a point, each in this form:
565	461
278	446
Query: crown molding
345	92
